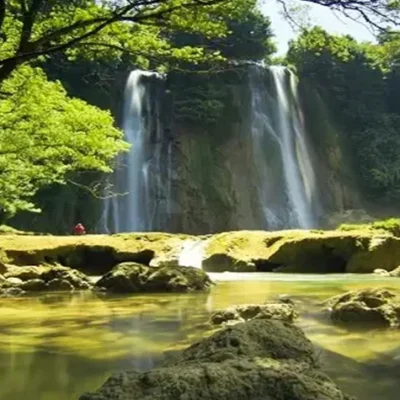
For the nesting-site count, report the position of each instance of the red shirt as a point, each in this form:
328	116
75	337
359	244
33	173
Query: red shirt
79	229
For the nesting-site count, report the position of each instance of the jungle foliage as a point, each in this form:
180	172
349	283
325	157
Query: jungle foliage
359	82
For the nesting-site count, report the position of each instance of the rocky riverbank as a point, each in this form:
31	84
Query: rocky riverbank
244	251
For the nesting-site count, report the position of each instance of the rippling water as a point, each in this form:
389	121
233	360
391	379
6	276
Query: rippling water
59	346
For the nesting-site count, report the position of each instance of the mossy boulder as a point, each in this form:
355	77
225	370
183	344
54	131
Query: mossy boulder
133	278
259	359
283	311
40	278
366	309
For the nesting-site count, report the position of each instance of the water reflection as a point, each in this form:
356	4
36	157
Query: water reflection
57	347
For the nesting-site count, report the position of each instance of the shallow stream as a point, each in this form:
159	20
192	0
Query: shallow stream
59	346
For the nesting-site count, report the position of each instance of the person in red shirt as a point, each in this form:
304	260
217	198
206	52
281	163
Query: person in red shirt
79	229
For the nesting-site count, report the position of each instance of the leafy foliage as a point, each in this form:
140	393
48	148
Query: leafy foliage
142	29
44	135
356	79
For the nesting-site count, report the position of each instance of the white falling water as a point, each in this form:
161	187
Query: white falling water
287	188
134	209
192	253
136	172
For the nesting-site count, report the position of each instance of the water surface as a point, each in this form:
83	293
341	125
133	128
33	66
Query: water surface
59	346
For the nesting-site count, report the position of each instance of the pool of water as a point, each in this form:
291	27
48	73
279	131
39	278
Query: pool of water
59	346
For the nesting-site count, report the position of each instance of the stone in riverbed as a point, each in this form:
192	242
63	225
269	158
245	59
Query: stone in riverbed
11	292
39	278
277	311
14	281
366	308
60	285
259	359
34	285
133	278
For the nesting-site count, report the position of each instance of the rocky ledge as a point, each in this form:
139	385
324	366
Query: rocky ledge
366	309
259	359
245	251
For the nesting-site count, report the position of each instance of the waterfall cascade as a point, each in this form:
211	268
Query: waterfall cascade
137	179
286	183
280	166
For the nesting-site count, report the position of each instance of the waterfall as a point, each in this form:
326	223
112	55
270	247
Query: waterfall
286	181
159	184
192	253
138	176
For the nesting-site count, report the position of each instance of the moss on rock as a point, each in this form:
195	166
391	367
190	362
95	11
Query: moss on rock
366	309
256	360
282	311
133	278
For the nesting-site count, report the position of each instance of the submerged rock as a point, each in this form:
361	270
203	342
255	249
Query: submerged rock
259	359
133	278
366	308
283	311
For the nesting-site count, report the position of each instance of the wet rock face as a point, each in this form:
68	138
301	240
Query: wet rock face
283	311
366	309
133	278
259	359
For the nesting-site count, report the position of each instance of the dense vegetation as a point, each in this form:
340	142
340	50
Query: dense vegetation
45	135
52	145
358	81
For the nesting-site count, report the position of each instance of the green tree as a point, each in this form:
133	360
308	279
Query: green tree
44	136
30	29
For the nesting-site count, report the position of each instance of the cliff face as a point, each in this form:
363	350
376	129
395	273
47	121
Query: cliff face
216	183
241	150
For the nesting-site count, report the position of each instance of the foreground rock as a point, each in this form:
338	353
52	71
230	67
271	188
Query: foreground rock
19	280
283	311
259	359
366	309
133	278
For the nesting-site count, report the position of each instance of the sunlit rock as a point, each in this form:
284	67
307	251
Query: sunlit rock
366	309
277	311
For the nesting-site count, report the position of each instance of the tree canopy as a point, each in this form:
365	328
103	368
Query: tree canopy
142	28
44	135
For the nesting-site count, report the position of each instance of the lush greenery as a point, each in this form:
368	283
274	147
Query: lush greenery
358	82
45	135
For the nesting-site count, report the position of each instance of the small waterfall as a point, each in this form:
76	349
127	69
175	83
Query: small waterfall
285	176
192	253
